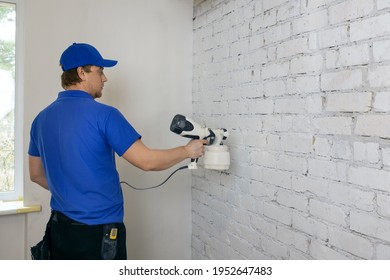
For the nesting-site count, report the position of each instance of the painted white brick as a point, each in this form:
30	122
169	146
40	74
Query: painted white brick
264	20
328	212
275	70
366	152
373	125
370	27
305	184
310	226
386	156
328	169
292	163
349	195
349	102
303	84
292	47
267	5
322	252
261	106
382	4
350	9
341	150
382	101
313	21
297	142
333	125
277	177
342	80
292	200
276	249
274	88
289	10
333	37
383	252
322	146
352	243
314	104
369	177
381	50
378	77
306	64
383	205
370	225
277	33
278	213
294	238
290	106
354	55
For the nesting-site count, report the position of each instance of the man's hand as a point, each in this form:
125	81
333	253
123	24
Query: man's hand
195	148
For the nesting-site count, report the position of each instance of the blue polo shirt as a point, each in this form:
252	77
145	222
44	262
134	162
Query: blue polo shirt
77	138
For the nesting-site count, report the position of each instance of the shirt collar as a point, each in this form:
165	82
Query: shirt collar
74	93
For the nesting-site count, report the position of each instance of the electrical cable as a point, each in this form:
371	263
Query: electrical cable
159	185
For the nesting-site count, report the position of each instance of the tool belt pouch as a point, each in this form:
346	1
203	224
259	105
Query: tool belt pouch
41	251
109	242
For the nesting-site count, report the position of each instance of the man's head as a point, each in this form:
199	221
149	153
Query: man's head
79	54
83	69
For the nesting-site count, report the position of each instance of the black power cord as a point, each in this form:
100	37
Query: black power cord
159	185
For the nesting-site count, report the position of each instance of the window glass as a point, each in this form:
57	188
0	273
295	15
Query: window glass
7	93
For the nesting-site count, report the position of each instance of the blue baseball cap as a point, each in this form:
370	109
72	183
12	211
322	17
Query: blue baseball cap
80	54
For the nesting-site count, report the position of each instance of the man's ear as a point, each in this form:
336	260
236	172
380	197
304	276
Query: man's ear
81	73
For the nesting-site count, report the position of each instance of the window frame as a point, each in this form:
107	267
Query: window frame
17	193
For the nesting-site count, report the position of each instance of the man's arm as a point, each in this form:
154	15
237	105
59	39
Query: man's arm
154	160
37	174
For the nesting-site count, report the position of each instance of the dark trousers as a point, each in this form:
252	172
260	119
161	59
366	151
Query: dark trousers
71	240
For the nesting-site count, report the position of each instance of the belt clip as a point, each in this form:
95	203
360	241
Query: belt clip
113	233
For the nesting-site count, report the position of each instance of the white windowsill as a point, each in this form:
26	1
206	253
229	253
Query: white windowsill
17	207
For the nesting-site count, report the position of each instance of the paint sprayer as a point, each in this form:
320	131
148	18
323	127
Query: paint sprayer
216	154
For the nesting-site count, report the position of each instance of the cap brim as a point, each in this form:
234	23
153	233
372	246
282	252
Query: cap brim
107	63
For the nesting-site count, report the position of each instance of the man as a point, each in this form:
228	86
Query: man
71	153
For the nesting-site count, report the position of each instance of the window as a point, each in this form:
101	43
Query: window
11	178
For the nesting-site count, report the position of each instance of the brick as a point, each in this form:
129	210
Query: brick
294	238
346	194
275	70
313	21
333	125
366	152
386	156
373	125
327	212
383	252
381	50
341	150
333	37
328	169
310	226
370	27
350	9
278	213
369	177
305	184
383	205
342	80
292	47
306	64
297	142
348	102
370	225
303	84
292	200
290	106
377	76
382	101
348	242
322	252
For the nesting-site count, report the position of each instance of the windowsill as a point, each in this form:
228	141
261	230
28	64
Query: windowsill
17	207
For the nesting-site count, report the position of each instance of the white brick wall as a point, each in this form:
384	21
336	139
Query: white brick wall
304	88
